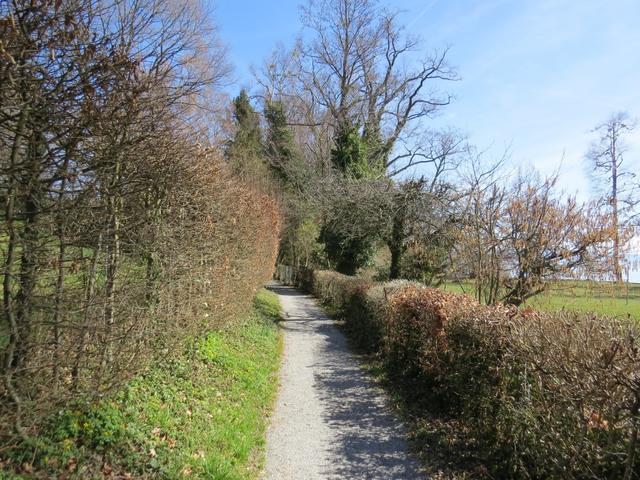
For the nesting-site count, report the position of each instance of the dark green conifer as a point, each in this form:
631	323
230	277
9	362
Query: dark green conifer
245	151
284	160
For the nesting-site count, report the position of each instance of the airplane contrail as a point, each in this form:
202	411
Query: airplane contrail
422	13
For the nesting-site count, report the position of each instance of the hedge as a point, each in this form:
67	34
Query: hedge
547	395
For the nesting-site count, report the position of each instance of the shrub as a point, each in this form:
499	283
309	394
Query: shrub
336	290
210	254
368	323
579	395
123	233
198	414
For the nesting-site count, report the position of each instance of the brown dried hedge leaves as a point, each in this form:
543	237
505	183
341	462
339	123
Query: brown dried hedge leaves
545	395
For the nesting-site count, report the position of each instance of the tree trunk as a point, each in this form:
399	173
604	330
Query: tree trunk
113	258
89	294
8	364
29	242
617	272
59	289
395	245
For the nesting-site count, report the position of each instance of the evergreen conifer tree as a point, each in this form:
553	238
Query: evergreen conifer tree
284	160
245	151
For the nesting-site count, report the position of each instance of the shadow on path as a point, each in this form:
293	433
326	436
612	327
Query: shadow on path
356	433
369	439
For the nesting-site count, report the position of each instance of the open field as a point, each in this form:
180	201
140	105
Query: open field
604	298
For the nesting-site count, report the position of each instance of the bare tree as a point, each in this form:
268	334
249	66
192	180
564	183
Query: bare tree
616	179
520	236
353	72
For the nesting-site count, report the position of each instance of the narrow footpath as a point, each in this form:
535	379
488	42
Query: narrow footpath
330	420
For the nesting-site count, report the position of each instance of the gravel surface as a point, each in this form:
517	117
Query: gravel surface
330	420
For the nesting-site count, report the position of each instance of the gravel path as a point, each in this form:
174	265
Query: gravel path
330	420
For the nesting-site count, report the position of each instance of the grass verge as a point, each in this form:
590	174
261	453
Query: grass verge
201	414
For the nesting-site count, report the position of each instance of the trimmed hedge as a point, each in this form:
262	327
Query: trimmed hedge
546	395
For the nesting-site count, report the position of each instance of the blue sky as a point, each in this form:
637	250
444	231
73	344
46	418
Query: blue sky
536	75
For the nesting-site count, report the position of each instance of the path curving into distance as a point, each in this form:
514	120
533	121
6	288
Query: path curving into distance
330	420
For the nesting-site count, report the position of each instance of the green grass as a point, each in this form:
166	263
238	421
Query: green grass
604	298
199	415
599	297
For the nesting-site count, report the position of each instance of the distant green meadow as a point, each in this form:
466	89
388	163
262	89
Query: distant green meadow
603	298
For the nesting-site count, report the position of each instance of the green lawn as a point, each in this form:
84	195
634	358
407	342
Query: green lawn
605	298
200	415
